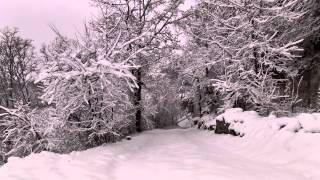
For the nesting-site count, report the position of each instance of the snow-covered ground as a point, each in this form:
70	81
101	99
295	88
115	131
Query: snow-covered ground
178	154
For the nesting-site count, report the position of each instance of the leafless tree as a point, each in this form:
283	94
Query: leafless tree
16	58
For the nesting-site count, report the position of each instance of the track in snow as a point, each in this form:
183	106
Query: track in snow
155	155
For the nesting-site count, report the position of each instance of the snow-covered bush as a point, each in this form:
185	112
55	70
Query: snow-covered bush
24	130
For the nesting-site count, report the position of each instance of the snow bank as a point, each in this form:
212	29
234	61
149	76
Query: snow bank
292	142
249	122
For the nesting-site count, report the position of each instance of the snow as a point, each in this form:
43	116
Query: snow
180	154
310	122
185	122
250	123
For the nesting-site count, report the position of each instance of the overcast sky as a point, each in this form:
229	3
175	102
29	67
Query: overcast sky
33	17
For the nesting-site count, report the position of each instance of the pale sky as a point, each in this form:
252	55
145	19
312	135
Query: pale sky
33	17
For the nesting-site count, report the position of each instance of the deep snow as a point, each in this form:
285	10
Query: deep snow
177	154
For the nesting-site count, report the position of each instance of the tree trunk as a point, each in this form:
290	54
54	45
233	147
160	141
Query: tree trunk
137	100
199	101
199	97
11	101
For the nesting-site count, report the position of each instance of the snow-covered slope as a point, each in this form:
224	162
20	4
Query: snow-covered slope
179	154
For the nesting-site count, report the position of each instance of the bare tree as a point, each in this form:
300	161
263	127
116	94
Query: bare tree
16	58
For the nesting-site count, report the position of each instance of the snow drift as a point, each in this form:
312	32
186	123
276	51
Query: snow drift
249	122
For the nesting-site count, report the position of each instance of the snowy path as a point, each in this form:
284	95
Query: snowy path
156	155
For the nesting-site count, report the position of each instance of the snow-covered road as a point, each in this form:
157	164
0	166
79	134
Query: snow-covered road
162	154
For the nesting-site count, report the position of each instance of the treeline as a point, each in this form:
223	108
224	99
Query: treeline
129	71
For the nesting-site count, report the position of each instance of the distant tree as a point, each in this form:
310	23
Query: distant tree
160	93
17	59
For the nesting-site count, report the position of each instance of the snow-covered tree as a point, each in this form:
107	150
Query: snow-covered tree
87	81
135	18
246	40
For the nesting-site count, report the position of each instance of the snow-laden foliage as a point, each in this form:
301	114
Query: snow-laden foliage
87	81
160	101
196	71
155	21
246	41
24	130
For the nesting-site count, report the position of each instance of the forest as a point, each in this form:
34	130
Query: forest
148	64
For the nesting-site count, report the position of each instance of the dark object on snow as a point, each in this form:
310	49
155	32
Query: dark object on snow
195	122
222	127
282	126
211	128
128	137
201	125
208	127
